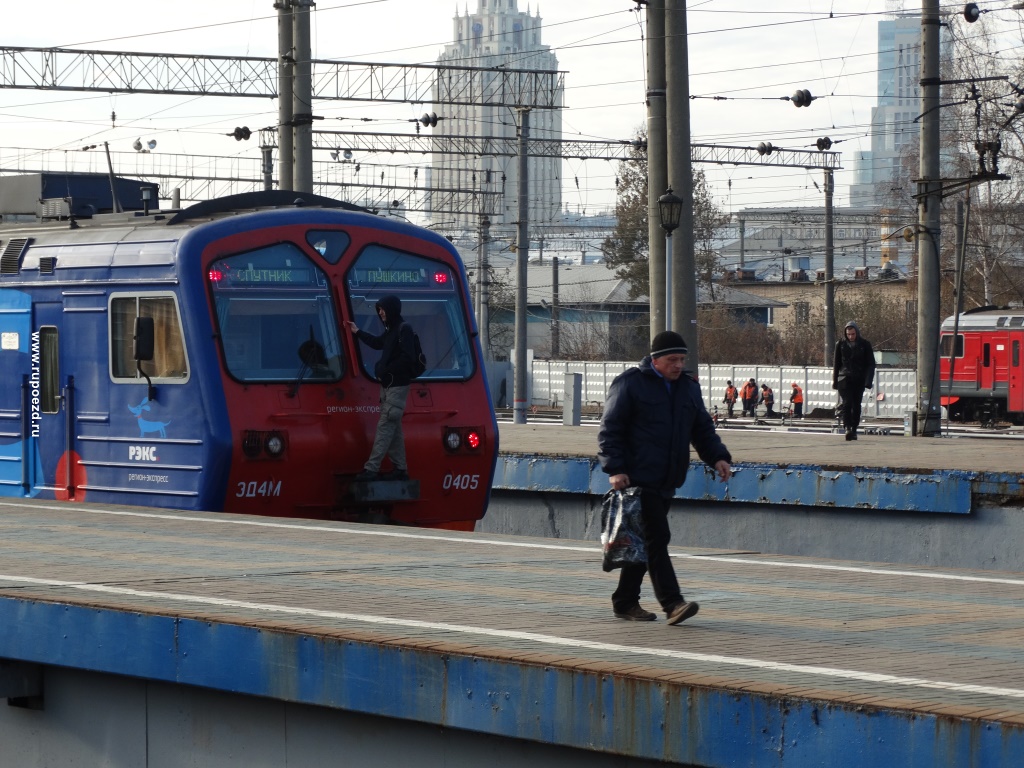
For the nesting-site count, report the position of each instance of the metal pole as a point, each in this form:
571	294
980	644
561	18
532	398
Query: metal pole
930	191
680	171
657	161
115	203
520	403
961	254
483	288
554	309
302	98
668	281
285	67
830	284
268	168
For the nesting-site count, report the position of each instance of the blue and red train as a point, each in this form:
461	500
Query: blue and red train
195	360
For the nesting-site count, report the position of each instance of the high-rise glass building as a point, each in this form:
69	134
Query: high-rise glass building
893	124
496	35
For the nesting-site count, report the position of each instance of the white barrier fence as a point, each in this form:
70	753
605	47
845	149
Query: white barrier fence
894	392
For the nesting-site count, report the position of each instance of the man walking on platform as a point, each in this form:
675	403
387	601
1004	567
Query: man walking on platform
853	371
652	415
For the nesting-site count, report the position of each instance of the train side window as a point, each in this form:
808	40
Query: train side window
1017	322
329	244
169	363
986	355
947	345
49	370
432	304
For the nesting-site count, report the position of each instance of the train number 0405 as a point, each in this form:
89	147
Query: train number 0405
461	482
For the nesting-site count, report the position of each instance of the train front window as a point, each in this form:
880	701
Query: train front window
276	318
431	303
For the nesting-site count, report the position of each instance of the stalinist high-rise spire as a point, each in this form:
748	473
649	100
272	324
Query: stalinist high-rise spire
496	35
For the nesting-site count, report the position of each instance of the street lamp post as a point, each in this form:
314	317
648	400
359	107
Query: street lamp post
670	206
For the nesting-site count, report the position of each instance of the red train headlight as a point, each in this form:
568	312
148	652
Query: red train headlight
463	440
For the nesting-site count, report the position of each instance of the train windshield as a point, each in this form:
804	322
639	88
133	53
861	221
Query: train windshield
276	317
431	304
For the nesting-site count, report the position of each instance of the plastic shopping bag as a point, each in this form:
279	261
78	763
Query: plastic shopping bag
622	529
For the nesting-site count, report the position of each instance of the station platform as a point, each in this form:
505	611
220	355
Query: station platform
790	662
791	466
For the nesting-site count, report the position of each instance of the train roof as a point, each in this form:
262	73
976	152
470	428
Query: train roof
987	318
154	235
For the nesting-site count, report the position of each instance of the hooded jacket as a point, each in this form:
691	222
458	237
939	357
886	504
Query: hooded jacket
853	364
648	427
398	351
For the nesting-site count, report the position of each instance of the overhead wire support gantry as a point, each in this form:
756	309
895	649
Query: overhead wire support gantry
62	69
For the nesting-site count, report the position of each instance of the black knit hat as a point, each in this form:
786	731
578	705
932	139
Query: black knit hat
668	343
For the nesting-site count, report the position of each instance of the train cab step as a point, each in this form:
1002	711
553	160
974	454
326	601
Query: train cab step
382	489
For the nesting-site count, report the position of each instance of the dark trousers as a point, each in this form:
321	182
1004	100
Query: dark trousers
798	410
654	509
851	395
748	405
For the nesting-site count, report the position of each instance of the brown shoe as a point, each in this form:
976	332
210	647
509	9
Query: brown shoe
636	613
680	612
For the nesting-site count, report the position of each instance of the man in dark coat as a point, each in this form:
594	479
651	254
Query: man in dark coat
394	371
853	371
652	414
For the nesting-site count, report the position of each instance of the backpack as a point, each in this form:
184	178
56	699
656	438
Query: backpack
419	363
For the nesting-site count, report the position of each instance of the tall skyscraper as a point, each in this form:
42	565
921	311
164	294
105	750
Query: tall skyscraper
496	35
899	103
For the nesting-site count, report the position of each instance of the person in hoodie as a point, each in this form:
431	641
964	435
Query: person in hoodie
853	371
394	371
653	413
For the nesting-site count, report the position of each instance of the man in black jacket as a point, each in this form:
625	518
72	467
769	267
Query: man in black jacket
652	415
394	371
853	371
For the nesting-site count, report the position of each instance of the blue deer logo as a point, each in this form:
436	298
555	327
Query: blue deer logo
145	425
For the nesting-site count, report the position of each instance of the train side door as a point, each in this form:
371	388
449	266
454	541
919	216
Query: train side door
986	367
51	413
1015	388
16	447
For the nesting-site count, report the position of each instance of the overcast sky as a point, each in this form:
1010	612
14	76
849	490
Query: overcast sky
751	51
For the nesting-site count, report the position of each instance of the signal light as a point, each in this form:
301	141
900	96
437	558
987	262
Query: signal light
473	440
802	98
440	278
452	440
215	275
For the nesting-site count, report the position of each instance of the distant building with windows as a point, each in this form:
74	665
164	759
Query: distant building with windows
496	35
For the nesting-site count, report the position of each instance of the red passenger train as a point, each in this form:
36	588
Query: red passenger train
987	362
196	360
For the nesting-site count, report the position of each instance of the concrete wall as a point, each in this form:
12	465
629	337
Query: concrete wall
988	538
105	721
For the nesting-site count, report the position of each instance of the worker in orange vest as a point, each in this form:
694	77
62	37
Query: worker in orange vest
730	397
748	394
768	398
797	399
